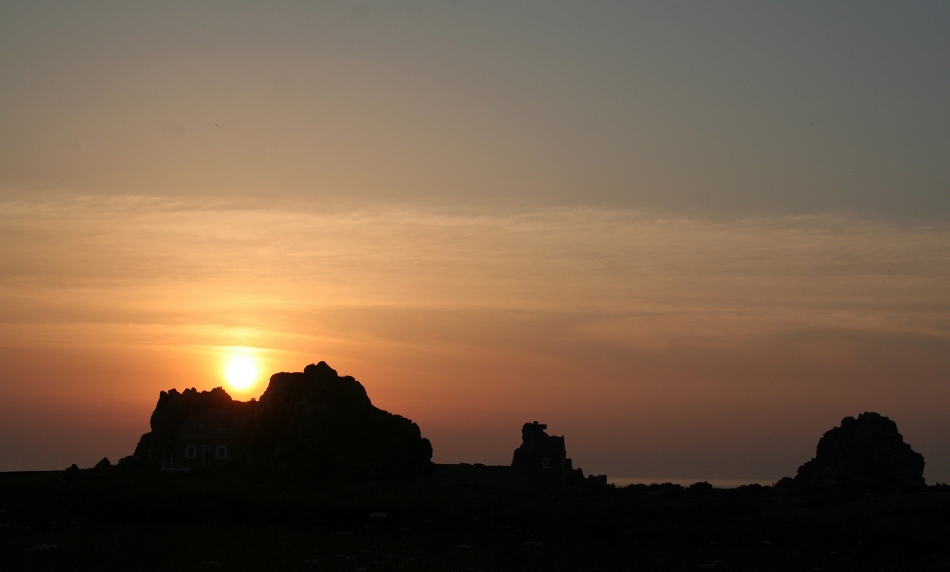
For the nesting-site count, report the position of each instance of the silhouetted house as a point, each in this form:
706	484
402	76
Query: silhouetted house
212	438
540	453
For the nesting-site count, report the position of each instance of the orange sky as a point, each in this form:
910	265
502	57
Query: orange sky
657	345
690	237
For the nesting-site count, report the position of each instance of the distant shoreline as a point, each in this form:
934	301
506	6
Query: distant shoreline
717	483
617	481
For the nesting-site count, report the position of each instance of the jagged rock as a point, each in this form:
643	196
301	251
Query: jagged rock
317	420
544	455
863	454
540	451
311	420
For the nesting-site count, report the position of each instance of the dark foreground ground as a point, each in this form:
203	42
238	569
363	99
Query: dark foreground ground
460	518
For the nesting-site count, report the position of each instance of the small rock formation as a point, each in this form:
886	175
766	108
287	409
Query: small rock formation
544	455
313	420
540	451
866	454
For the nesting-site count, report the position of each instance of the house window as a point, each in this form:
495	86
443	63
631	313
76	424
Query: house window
190	452
221	452
545	462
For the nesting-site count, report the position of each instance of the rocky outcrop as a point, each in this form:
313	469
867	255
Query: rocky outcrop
864	454
317	420
313	420
539	450
544	455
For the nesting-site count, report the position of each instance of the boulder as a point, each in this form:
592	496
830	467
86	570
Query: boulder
866	454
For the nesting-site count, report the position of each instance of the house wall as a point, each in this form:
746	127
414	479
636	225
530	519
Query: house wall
233	453
535	462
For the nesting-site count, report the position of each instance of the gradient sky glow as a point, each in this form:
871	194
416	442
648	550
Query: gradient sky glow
690	237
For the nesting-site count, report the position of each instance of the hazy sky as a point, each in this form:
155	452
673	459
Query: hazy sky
690	237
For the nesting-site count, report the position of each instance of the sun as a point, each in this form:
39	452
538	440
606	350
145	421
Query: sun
241	371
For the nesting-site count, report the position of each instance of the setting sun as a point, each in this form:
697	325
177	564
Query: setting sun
241	372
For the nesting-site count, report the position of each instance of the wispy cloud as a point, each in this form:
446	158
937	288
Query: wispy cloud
609	320
117	256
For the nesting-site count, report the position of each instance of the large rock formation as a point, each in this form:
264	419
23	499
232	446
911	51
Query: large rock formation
312	420
863	454
318	420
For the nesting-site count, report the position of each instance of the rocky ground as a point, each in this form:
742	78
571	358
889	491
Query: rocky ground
459	518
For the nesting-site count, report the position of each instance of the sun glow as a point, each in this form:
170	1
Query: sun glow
241	371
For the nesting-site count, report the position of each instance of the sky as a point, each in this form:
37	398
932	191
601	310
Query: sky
689	237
